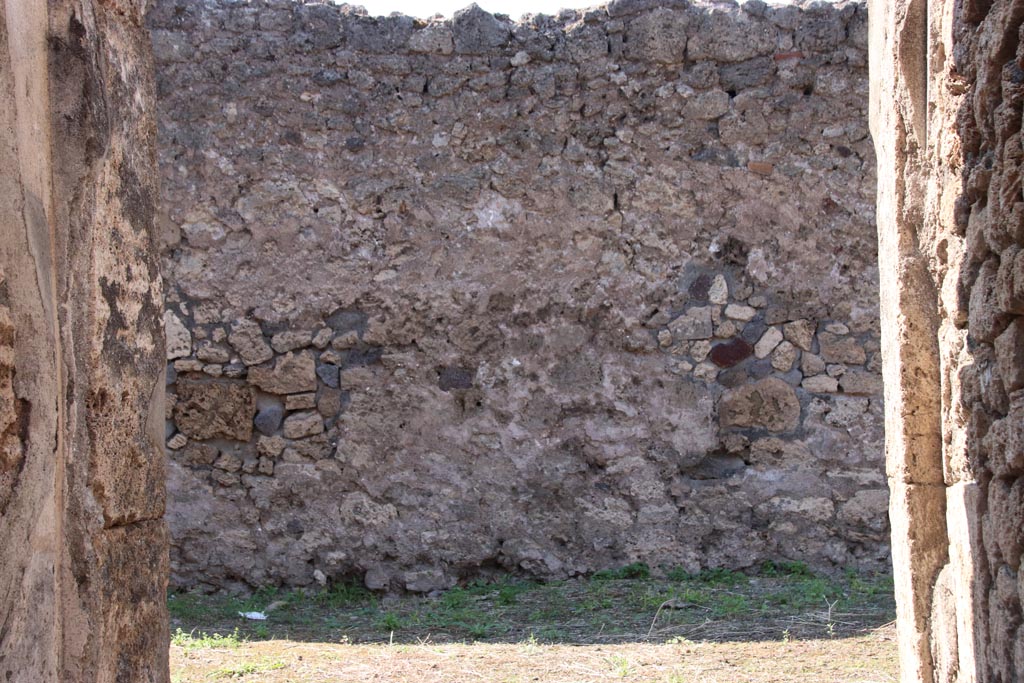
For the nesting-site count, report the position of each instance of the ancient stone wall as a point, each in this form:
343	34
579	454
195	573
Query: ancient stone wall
946	118
83	547
454	297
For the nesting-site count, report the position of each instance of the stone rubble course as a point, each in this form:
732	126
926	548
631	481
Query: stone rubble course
526	297
83	544
946	119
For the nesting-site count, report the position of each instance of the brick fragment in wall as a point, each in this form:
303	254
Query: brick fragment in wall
443	284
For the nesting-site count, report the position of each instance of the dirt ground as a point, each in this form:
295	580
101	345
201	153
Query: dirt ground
870	658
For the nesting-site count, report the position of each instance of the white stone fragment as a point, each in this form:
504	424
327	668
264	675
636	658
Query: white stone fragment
740	312
718	293
820	384
768	341
179	339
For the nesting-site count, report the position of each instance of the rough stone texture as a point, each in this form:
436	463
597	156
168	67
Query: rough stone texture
207	409
503	256
83	548
946	118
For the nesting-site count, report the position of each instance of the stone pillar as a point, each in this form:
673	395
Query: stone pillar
947	92
83	546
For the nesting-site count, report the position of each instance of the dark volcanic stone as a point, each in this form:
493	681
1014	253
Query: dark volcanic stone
455	378
328	374
753	330
268	419
731	352
699	288
733	377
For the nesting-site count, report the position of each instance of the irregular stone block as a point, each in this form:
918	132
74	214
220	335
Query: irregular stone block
211	409
719	39
986	318
740	312
820	384
300	401
476	30
1010	355
290	340
179	339
784	356
658	35
292	373
732	352
248	341
839	349
861	382
328	374
767	343
303	424
768	404
799	332
269	418
694	324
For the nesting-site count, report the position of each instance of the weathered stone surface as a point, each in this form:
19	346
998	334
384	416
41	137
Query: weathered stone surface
946	123
694	324
290	340
269	417
478	31
767	343
300	401
1009	348
769	404
503	255
740	312
303	424
732	352
248	341
784	356
83	565
292	373
820	384
838	349
860	382
800	332
179	339
212	409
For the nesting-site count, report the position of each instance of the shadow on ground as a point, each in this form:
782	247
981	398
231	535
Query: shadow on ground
780	602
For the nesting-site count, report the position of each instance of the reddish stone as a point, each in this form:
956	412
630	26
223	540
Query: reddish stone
782	56
731	352
760	167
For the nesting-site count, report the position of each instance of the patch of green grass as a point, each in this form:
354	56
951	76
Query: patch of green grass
711	577
509	593
247	668
620	666
636	570
343	594
730	605
611	606
196	608
201	640
389	621
785	568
